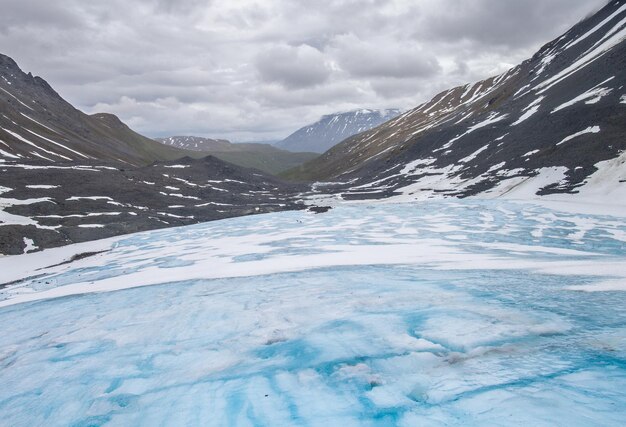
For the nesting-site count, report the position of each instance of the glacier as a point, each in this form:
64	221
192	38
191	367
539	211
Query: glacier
453	312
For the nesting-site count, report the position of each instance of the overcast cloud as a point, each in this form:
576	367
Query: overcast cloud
260	69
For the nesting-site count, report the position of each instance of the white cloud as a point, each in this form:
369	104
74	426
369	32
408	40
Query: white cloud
293	67
259	69
383	57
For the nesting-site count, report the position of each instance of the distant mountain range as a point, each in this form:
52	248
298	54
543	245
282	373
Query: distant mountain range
545	126
334	128
196	143
264	157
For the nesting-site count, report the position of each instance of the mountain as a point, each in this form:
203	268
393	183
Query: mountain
264	157
437	312
68	177
334	128
545	126
554	124
36	123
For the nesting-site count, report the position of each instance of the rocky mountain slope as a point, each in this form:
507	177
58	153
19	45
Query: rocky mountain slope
45	205
334	128
36	123
69	177
554	124
264	157
549	120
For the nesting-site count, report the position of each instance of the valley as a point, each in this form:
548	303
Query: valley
457	263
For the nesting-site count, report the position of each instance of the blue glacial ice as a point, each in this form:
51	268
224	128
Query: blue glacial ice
439	313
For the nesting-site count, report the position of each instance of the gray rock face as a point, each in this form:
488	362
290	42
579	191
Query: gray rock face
562	110
37	124
334	128
67	177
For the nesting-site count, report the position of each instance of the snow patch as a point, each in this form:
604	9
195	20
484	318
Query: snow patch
594	29
411	166
526	188
21	138
76	198
12	219
493	118
29	245
526	115
9	155
58	144
42	187
474	154
586	59
592	96
591	129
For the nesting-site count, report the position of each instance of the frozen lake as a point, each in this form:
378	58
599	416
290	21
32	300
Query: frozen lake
437	313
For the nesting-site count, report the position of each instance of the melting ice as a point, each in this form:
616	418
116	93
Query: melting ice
438	313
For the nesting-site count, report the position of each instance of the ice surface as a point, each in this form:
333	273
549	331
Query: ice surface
438	313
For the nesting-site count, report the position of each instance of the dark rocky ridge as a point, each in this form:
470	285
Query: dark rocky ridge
93	200
68	177
471	138
37	123
465	141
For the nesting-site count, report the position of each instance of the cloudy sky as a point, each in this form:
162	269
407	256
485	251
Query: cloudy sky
260	69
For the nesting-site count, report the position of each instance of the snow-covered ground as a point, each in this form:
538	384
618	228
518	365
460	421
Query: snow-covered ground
435	313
